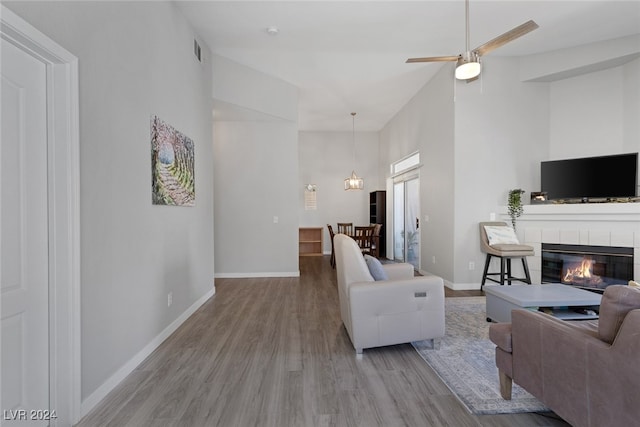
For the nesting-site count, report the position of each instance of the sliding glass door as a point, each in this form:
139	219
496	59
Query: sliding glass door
406	221
398	222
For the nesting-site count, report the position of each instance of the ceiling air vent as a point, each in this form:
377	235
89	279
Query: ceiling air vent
196	50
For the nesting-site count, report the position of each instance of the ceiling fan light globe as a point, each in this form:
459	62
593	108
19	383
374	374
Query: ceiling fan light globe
467	70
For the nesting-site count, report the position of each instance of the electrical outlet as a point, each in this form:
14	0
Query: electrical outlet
275	219
169	299
433	259
472	265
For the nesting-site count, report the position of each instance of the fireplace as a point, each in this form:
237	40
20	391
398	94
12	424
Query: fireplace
589	267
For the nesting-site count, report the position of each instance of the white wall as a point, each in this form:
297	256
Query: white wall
596	113
579	60
631	108
256	179
501	135
587	115
255	136
426	124
135	60
236	84
326	159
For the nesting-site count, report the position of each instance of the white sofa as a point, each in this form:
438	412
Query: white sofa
395	311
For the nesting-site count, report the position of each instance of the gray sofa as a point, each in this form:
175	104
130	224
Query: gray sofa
589	376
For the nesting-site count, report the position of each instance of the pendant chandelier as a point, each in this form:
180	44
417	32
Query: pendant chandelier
353	182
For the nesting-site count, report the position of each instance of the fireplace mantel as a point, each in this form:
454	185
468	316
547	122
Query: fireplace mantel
597	224
626	212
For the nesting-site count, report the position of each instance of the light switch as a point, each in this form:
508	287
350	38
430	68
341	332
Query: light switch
275	219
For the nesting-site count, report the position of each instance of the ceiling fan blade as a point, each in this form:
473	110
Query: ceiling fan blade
433	59
505	38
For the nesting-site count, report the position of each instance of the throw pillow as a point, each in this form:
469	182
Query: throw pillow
501	235
375	268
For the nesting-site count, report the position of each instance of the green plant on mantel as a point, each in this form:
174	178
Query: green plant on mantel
514	205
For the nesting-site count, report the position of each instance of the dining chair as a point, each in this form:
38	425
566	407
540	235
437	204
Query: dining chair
364	237
345	228
332	260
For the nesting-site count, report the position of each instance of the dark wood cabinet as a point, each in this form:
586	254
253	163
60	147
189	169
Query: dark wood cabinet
378	215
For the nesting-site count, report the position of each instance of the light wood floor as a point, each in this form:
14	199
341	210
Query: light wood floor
273	352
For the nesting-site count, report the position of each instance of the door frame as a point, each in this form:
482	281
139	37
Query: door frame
63	178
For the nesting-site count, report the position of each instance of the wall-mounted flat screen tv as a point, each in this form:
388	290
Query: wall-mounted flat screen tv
591	177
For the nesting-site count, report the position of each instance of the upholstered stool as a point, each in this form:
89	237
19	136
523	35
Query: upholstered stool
505	249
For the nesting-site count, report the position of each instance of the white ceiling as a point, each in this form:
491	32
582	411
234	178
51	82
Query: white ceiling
349	55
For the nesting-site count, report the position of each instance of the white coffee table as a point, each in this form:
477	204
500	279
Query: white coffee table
562	301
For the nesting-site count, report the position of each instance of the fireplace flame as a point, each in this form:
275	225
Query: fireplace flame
582	273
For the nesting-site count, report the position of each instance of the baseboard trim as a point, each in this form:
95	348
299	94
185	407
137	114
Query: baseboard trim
463	286
253	275
101	392
455	286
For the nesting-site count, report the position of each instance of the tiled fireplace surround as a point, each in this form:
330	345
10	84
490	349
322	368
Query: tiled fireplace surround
597	224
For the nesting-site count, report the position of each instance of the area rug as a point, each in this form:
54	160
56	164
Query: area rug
465	360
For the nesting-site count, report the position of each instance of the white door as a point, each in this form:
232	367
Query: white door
24	242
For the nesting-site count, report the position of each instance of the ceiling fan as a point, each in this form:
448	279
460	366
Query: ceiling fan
468	63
